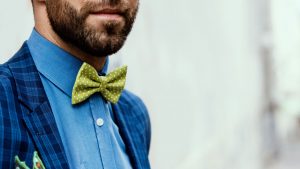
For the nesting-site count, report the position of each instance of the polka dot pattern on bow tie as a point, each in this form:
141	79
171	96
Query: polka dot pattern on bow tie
88	82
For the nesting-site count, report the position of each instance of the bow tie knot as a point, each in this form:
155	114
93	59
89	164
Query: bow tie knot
89	82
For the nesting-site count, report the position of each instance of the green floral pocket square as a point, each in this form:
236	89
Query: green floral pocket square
36	161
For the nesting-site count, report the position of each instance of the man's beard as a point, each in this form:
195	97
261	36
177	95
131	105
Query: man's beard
70	25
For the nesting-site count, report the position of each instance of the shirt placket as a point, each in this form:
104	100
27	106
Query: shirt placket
100	113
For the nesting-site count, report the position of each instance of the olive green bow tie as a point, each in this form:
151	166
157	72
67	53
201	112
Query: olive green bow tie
89	82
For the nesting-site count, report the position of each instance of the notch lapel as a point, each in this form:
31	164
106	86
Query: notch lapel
39	120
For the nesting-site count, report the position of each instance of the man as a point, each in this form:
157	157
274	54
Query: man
59	107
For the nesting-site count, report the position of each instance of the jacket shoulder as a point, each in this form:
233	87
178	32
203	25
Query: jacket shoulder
134	104
132	100
6	82
6	76
4	71
7	90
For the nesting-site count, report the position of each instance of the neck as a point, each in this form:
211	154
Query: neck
95	61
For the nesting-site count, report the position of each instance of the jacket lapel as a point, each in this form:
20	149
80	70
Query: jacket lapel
40	120
132	137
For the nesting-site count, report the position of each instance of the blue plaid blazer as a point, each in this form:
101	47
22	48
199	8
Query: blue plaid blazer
27	123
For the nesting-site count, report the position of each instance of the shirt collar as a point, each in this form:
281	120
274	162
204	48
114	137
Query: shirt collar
57	65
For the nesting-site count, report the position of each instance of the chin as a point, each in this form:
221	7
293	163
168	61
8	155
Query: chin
105	47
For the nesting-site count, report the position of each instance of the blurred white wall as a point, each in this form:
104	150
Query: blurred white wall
198	66
15	26
286	79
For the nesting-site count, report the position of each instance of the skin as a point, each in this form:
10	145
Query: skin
43	26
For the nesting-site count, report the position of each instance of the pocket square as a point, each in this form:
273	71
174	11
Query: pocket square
36	161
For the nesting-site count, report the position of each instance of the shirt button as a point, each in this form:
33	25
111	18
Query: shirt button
100	122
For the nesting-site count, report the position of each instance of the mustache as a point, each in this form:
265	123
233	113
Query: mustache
93	6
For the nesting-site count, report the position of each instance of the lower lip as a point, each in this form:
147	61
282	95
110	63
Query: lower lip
108	16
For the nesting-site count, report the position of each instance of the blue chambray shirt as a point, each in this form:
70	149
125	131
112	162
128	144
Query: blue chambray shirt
90	137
